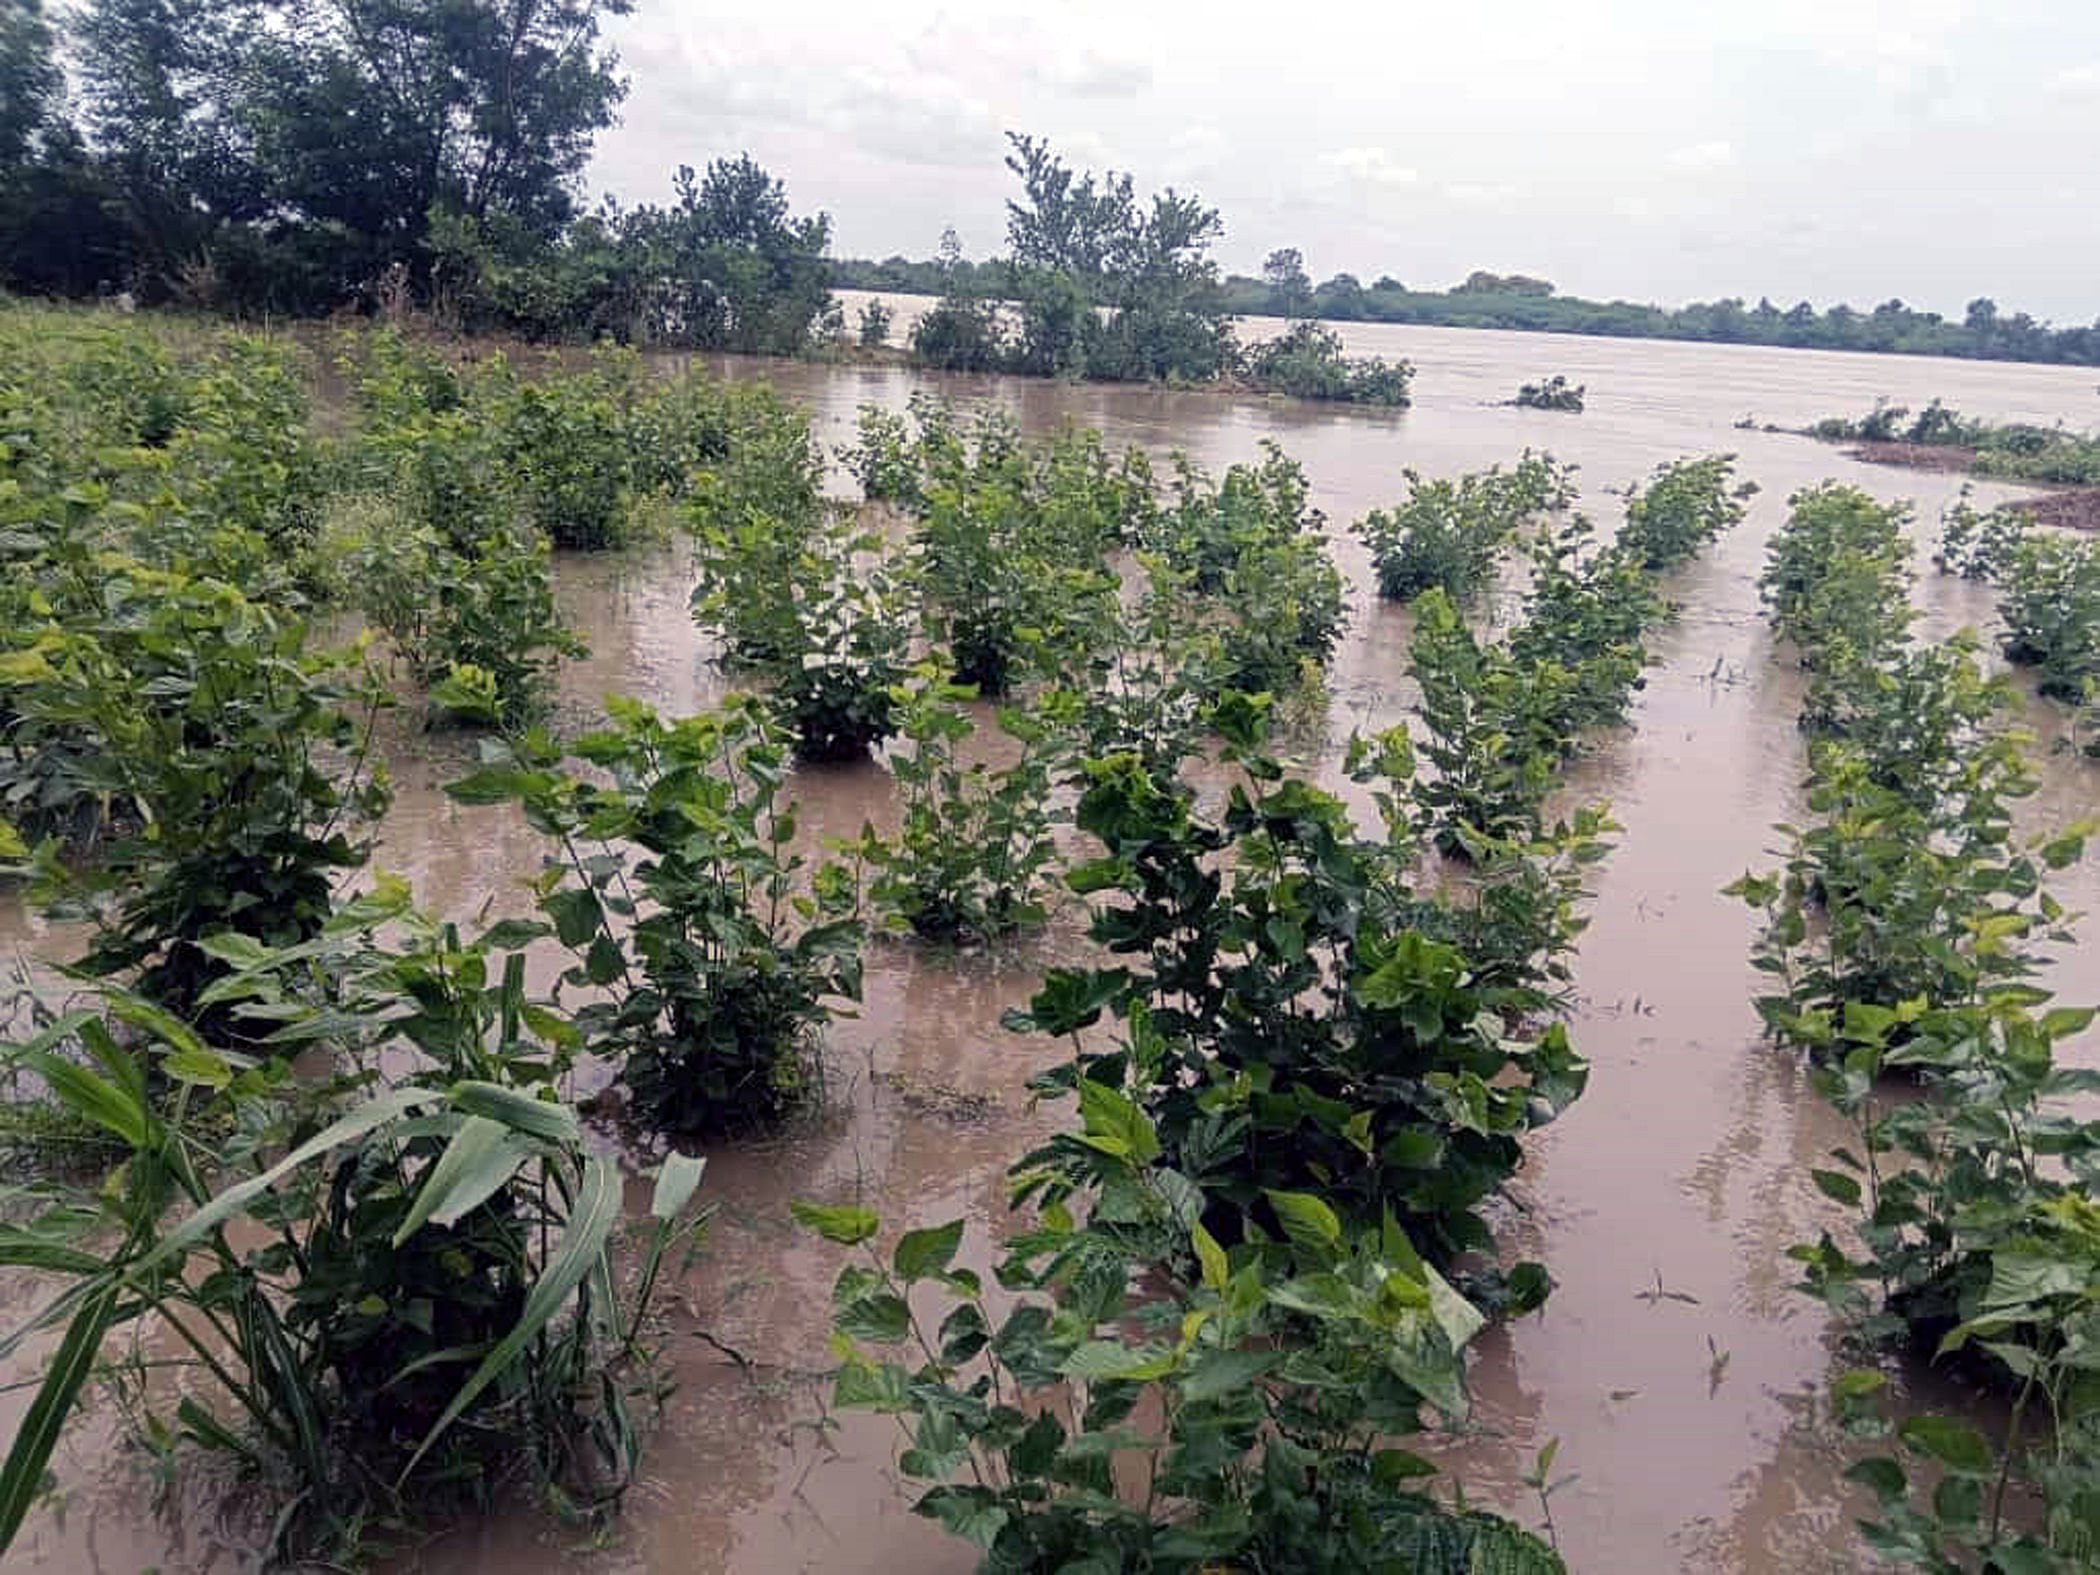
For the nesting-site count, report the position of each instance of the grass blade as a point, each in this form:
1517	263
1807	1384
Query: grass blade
481	1157
390	1106
581	1247
23	1476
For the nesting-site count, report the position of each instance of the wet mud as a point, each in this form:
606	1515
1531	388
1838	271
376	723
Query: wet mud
1681	1374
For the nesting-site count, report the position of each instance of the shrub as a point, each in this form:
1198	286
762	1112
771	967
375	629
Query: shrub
486	608
689	910
2049	598
1265	1382
1555	393
1308	363
834	686
243	754
382	1298
976	845
1449	534
1683	509
752	514
1979	545
874	325
1012	555
1249	556
1290	1027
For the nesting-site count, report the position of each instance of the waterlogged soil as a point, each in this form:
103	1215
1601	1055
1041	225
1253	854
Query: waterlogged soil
1680	1372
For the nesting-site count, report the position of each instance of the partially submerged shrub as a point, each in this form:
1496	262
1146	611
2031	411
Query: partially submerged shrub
380	1297
976	848
242	757
1555	393
672	879
1449	533
1307	362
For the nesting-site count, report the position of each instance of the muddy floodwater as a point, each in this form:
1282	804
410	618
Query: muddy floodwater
1692	1415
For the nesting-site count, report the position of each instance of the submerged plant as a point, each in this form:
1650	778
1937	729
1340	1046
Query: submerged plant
714	950
976	847
378	1294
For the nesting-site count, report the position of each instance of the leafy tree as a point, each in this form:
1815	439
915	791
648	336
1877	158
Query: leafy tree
30	81
301	146
1105	283
1290	286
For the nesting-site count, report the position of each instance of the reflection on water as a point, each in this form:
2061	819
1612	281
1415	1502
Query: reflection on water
1691	1418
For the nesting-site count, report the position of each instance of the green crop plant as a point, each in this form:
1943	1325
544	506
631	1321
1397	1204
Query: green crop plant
976	846
375	1295
1682	509
1836	582
712	949
1267	1386
1883	900
1490	776
1012	579
2049	599
1291	1026
835	688
1585	616
240	758
1448	533
1979	544
1252	553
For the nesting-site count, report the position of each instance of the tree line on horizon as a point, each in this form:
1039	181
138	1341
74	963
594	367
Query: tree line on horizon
1522	302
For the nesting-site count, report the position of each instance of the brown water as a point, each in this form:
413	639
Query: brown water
1695	1425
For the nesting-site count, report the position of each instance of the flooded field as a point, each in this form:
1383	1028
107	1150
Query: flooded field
1694	1420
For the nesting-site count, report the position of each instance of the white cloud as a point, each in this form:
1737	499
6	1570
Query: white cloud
1091	72
1703	156
1481	194
1375	165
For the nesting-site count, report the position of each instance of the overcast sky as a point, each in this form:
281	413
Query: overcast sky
1661	150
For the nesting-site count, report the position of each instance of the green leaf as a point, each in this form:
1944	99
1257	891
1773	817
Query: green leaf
94	1099
482	1156
866	1386
1882	1476
848	1224
882	1317
676	1182
22	1478
1115	1124
522	1112
1225	1372
1390	1466
193	1227
1217	1269
1307	1220
923	1253
576	913
1099	1360
1837	1186
580	1249
971	1513
1955	1445
204	1068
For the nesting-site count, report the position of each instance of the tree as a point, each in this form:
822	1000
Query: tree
329	132
1290	286
1106	284
30	82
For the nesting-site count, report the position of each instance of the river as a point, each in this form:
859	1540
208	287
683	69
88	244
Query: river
1694	1421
